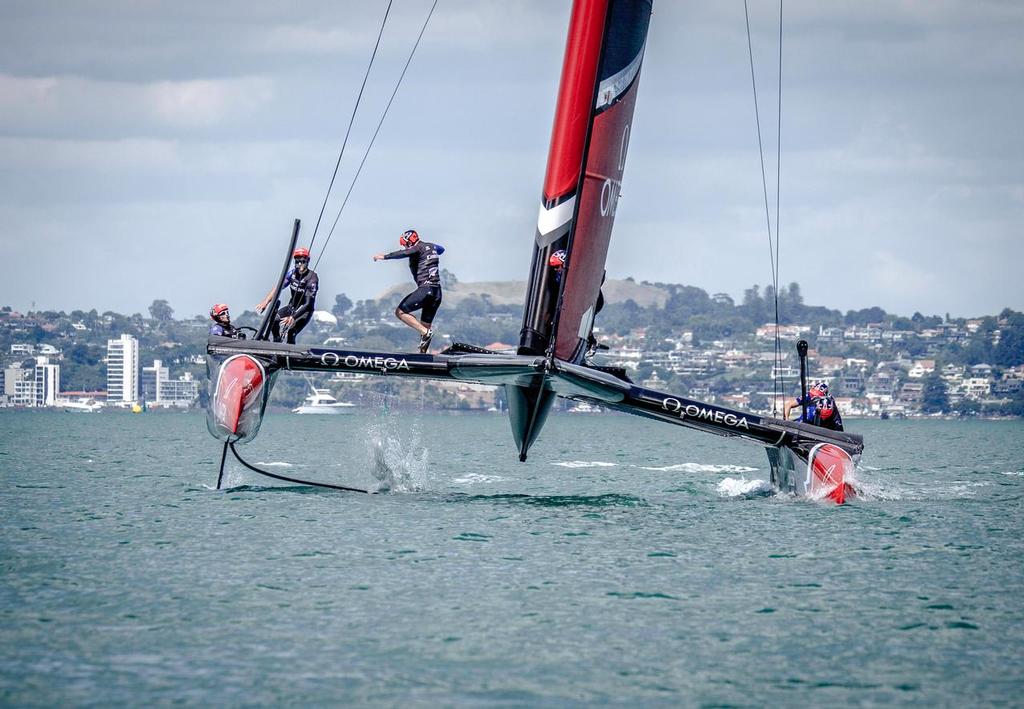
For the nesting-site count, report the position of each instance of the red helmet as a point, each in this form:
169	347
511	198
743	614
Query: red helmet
219	310
301	253
557	259
408	238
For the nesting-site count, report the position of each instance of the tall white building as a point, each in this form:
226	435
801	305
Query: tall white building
47	382
123	370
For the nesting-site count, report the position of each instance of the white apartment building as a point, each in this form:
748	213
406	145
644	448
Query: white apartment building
19	386
38	386
160	390
123	370
152	378
47	382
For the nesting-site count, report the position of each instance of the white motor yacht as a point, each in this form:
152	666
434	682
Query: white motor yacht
81	406
321	402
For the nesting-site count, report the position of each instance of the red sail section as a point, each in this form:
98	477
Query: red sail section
575	94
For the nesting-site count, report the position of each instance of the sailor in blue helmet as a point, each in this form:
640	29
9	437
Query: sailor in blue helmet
821	410
425	265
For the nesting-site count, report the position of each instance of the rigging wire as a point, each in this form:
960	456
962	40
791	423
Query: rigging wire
778	193
772	244
351	120
375	132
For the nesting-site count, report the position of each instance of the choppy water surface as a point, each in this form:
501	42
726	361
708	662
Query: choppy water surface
627	563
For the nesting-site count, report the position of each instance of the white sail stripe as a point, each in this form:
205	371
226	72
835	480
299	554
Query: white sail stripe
586	323
550	219
612	87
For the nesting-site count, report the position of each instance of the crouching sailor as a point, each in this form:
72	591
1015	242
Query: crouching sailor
222	326
290	319
424	263
821	409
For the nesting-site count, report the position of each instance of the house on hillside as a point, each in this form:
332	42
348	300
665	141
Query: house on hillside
830	336
921	368
827	366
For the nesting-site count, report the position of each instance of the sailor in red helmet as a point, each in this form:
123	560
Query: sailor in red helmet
303	283
557	261
425	265
822	409
222	326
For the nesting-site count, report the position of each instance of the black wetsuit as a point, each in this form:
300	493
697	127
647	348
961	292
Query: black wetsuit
300	304
425	265
229	330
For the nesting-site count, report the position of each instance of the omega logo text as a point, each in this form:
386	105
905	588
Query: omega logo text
704	414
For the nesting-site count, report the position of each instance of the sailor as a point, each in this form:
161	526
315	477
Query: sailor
426	270
222	326
821	410
289	320
557	261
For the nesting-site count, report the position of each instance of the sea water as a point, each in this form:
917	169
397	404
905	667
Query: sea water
627	563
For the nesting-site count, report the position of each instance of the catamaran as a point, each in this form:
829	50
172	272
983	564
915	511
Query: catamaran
586	160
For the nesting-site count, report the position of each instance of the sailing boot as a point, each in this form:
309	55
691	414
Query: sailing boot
425	339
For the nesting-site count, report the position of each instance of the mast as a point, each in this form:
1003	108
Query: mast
589	142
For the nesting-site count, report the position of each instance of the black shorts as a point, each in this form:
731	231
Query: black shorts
426	297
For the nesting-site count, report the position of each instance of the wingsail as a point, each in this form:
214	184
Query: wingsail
589	140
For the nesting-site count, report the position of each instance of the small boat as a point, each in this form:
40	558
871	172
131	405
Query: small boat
81	406
321	402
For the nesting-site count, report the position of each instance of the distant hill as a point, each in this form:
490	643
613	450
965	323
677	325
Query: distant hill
514	292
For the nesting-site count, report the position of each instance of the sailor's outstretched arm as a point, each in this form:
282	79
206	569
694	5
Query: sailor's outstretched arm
270	296
266	301
401	253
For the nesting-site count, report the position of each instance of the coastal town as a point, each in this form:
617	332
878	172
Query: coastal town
665	336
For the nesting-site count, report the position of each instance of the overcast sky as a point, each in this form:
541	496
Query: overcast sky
161	149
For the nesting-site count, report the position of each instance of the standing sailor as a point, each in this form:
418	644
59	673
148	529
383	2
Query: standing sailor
821	410
222	326
289	320
426	270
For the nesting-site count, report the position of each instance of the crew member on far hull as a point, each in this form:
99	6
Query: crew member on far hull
289	320
821	410
424	263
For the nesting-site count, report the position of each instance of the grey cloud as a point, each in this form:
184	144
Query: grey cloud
133	129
